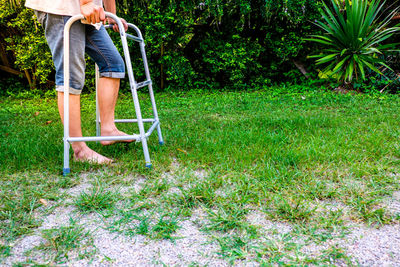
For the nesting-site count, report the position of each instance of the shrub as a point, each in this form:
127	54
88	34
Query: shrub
23	37
354	39
227	43
232	44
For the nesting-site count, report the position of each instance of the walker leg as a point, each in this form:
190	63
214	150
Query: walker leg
146	153
133	84
66	169
141	128
152	99
160	138
97	103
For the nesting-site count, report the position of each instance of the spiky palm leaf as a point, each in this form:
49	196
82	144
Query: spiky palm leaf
353	40
14	3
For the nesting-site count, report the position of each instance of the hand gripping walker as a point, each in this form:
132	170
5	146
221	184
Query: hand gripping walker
142	136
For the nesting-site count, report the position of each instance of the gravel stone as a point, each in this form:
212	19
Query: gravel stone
20	247
375	247
191	246
258	218
393	203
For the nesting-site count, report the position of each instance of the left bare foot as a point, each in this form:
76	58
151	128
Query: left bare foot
114	132
83	153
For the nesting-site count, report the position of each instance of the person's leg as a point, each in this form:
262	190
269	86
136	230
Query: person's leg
101	49
108	93
81	151
54	31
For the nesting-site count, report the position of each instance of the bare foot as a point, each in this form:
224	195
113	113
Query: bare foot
114	132
91	156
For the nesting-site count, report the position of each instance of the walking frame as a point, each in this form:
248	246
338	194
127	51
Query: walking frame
143	135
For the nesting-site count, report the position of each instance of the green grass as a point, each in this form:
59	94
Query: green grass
233	248
275	150
291	210
97	199
138	220
5	251
165	228
62	240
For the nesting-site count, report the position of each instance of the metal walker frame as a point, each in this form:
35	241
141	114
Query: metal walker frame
143	135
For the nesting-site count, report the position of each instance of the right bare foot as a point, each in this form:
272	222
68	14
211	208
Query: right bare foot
88	155
113	132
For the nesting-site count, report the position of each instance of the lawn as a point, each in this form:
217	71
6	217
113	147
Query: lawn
310	163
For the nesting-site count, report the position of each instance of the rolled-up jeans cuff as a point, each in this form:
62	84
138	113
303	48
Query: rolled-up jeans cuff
117	75
72	91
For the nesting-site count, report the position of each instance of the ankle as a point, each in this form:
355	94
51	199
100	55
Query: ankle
78	147
108	128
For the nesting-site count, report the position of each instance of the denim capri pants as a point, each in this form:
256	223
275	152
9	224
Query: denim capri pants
83	38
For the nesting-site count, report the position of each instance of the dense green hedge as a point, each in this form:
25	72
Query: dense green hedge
232	44
22	45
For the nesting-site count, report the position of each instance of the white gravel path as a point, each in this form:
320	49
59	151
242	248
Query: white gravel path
375	247
192	247
367	246
393	203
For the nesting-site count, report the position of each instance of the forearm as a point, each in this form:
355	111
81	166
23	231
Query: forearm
109	6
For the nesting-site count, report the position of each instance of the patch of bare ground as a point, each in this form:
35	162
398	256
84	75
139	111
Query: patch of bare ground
329	205
374	246
183	178
200	173
392	204
169	177
259	219
20	248
83	186
200	217
24	248
174	191
134	184
224	191
365	246
326	207
190	246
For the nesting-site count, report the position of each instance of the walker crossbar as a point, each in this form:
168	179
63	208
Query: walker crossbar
142	136
104	138
133	120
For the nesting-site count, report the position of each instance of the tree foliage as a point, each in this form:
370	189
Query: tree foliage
234	44
23	43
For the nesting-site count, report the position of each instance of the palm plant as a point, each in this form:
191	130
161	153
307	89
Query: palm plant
14	3
354	38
